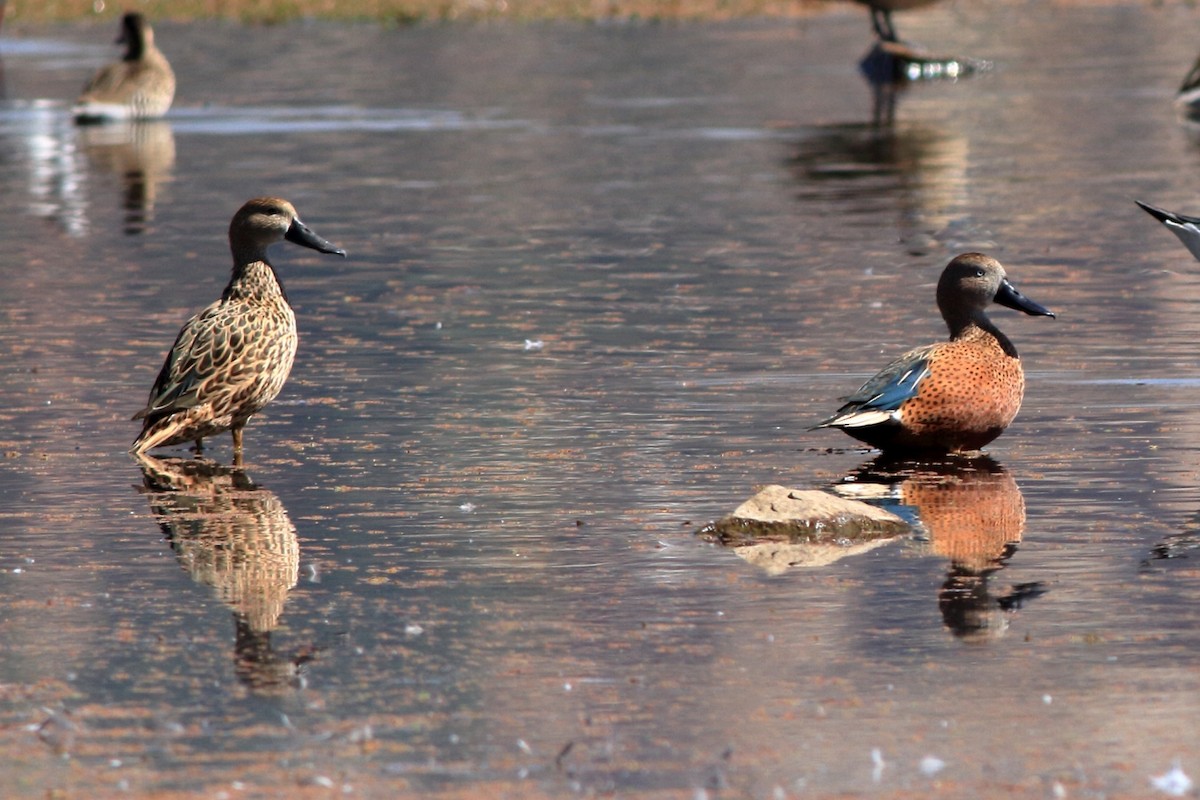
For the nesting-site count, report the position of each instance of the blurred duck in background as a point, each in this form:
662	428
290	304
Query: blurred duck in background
139	86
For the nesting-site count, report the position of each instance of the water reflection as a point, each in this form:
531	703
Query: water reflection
893	65
1179	545
42	139
916	168
140	154
778	556
972	513
60	162
235	537
914	171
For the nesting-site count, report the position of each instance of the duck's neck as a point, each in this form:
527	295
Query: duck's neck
255	281
135	47
977	325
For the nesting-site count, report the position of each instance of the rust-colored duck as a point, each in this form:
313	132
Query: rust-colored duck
951	396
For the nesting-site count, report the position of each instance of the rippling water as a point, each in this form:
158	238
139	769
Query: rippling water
601	280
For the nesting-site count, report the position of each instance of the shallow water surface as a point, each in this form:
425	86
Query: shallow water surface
601	280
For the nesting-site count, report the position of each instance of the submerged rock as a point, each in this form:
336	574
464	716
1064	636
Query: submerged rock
780	528
780	514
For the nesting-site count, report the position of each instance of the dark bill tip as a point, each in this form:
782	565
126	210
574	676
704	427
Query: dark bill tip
1009	297
1158	213
300	234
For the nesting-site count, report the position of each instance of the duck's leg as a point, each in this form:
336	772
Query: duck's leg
237	446
199	448
881	20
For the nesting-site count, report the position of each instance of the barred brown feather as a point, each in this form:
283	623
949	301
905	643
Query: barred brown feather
232	359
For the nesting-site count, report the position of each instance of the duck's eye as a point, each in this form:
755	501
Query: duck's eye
978	273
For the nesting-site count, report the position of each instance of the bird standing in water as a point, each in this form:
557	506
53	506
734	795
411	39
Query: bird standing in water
951	396
139	86
231	360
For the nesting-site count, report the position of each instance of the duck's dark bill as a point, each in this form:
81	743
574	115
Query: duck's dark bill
1009	297
299	233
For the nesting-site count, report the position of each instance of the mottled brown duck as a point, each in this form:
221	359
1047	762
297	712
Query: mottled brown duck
139	86
231	360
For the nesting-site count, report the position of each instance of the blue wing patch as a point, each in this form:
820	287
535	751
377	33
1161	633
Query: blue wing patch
878	400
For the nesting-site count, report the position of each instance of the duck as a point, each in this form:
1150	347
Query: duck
139	86
953	396
1185	227
231	359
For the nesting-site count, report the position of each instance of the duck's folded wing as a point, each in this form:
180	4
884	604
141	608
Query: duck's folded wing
105	81
201	350
879	399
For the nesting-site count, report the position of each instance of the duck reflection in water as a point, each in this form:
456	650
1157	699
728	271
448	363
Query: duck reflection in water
907	175
141	154
235	537
972	513
1176	547
911	169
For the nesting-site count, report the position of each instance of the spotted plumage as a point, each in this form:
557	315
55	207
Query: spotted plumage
952	396
139	86
232	358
